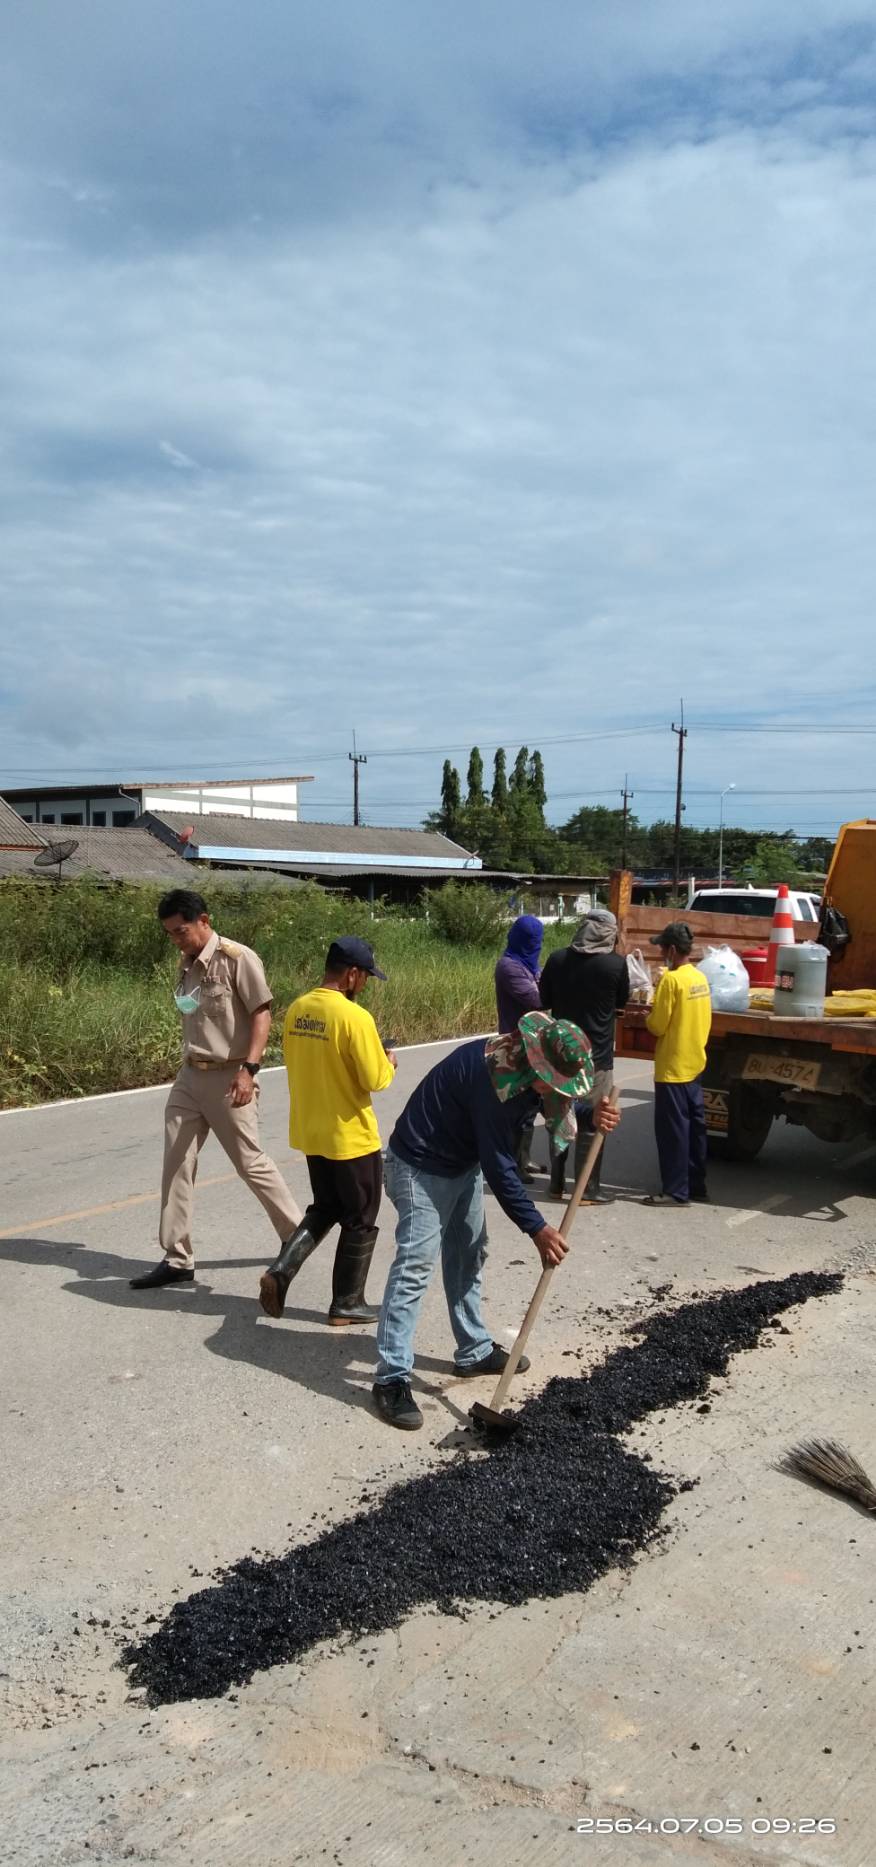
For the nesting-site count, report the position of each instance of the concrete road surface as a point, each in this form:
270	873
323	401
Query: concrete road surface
149	1439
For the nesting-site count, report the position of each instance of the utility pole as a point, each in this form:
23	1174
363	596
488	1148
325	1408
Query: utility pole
357	759
627	797
682	735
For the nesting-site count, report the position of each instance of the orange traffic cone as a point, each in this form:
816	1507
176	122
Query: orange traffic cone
781	932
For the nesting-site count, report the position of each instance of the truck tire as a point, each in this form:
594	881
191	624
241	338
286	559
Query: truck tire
752	1111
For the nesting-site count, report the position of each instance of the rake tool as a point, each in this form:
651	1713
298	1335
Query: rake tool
492	1419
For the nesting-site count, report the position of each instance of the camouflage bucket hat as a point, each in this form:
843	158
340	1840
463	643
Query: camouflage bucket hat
559	1053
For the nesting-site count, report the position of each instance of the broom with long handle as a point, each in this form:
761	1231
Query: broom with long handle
831	1464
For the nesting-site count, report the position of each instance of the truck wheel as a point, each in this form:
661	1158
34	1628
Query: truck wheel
751	1117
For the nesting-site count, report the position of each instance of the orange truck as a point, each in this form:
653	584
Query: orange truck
815	1073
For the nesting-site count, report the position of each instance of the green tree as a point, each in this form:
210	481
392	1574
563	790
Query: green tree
520	773
775	859
600	832
451	799
475	778
815	853
537	788
500	781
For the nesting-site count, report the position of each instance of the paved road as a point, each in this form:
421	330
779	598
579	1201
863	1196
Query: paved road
150	1438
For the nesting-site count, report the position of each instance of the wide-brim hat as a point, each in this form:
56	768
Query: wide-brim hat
558	1051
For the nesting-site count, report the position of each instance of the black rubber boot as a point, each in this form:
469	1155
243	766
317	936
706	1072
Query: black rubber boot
278	1276
593	1190
352	1264
521	1155
558	1171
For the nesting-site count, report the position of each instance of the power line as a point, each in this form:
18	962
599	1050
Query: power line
60	773
799	726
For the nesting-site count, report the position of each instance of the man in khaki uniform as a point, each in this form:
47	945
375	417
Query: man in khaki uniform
225	1001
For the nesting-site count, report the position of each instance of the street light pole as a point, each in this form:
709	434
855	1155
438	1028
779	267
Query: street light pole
729	787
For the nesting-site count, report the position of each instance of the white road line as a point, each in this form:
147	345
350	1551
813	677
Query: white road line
757	1212
151	1089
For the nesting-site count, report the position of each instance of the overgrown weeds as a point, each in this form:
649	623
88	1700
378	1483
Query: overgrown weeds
86	978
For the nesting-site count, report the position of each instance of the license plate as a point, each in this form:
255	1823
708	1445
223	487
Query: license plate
717	1110
793	1071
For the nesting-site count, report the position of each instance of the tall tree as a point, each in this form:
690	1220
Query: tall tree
500	781
451	798
520	774
536	782
475	778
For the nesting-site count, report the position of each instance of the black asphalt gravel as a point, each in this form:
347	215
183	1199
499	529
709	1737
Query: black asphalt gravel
545	1513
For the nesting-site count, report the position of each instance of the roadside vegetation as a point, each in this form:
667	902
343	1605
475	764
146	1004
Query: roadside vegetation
86	973
506	824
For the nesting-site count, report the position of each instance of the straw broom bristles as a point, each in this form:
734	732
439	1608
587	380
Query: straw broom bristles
830	1463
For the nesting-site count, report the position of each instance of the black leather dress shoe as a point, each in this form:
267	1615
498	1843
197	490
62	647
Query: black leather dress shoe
161	1275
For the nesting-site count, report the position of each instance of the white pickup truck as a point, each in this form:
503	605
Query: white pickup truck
758	902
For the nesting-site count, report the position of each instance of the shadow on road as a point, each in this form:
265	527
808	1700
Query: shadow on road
323	1360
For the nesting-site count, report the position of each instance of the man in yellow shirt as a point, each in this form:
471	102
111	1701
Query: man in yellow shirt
335	1060
680	1019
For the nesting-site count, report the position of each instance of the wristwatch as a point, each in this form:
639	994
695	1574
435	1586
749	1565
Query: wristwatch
252	1068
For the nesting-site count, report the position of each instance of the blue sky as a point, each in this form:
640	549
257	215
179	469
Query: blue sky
488	372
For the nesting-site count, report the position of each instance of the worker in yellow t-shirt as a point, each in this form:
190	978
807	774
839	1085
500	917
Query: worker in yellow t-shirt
680	1019
335	1060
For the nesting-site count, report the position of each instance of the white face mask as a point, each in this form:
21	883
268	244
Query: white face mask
187	1002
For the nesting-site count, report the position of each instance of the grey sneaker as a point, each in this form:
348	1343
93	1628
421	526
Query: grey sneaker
395	1403
494	1363
664	1199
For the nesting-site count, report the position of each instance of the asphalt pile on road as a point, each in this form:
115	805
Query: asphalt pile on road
545	1513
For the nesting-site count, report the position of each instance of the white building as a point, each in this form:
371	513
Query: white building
111	806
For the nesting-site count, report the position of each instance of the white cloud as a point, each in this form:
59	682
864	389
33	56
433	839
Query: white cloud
551	428
176	457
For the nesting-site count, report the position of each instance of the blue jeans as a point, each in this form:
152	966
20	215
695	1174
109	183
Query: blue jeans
435	1215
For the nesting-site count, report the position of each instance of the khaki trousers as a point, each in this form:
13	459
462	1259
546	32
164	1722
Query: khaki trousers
198	1105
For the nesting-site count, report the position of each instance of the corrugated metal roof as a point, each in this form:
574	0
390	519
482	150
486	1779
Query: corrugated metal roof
256	833
118	855
14	832
564	884
133	855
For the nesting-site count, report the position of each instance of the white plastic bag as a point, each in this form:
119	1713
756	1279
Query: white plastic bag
729	983
641	989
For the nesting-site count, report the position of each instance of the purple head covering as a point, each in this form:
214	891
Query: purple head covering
525	939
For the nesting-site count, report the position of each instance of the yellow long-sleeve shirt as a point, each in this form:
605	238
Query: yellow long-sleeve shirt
334	1061
681	1019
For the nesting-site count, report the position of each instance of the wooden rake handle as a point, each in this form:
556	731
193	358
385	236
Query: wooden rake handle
510	1369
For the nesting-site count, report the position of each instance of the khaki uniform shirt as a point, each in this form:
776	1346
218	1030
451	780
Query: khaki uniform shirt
232	985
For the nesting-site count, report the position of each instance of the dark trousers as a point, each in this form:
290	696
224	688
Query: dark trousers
345	1193
680	1129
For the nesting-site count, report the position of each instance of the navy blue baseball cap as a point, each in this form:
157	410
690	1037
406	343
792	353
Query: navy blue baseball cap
351	951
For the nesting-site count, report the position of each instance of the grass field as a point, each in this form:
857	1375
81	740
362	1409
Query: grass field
87	976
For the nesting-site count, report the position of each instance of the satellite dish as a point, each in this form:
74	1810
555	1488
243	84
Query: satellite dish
185	836
55	853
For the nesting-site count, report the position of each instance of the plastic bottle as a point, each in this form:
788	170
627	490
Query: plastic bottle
801	981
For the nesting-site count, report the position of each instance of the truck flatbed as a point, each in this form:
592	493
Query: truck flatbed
856	1036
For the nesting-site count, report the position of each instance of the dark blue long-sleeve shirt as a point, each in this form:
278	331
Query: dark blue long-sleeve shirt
454	1120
